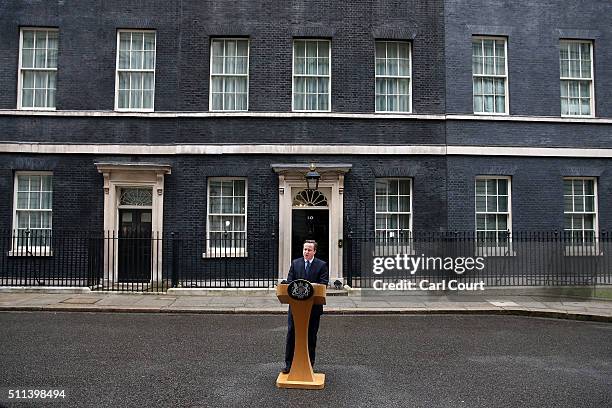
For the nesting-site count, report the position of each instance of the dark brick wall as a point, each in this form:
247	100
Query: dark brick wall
533	29
440	32
537	189
220	130
304	130
538	134
443	189
78	200
87	48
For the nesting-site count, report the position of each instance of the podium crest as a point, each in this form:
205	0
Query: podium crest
300	289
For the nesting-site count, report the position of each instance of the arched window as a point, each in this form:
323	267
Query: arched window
137	196
310	198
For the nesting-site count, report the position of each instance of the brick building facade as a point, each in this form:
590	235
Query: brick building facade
420	116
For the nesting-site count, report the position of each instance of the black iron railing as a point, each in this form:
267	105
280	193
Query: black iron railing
43	258
519	259
149	262
154	262
251	262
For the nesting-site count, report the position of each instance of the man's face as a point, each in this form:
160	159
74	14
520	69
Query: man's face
309	251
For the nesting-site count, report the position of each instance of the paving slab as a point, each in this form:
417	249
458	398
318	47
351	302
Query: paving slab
533	304
192	301
228	302
574	304
372	304
502	303
71	306
599	305
342	299
118	300
81	300
575	308
7	299
470	304
260	303
279	310
482	307
149	301
448	305
553	305
44	300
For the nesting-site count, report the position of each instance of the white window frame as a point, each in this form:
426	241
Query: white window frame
230	252
591	80
494	250
398	76
21	71
40	250
581	249
211	75
505	77
329	75
382	250
117	70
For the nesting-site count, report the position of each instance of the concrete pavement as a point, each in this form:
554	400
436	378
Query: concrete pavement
264	302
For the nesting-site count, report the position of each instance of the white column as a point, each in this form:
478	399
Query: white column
284	226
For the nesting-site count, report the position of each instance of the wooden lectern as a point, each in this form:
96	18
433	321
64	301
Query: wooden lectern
301	374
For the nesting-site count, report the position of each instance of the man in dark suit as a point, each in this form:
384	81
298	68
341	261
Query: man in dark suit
315	271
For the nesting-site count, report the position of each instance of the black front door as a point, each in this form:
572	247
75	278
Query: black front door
134	245
310	224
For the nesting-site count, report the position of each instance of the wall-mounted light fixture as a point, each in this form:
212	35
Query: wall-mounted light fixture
312	178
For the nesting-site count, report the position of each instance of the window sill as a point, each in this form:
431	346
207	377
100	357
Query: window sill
134	110
21	108
38	254
491	114
579	116
229	254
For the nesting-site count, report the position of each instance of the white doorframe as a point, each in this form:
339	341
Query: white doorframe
290	180
116	176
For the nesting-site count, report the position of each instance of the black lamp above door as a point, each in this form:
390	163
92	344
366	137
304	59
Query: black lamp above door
312	178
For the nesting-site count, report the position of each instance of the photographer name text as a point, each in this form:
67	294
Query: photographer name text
424	284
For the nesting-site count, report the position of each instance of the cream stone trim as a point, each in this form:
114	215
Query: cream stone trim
116	176
290	181
528	151
337	115
298	149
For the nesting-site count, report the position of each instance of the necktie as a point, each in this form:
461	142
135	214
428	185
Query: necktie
307	270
